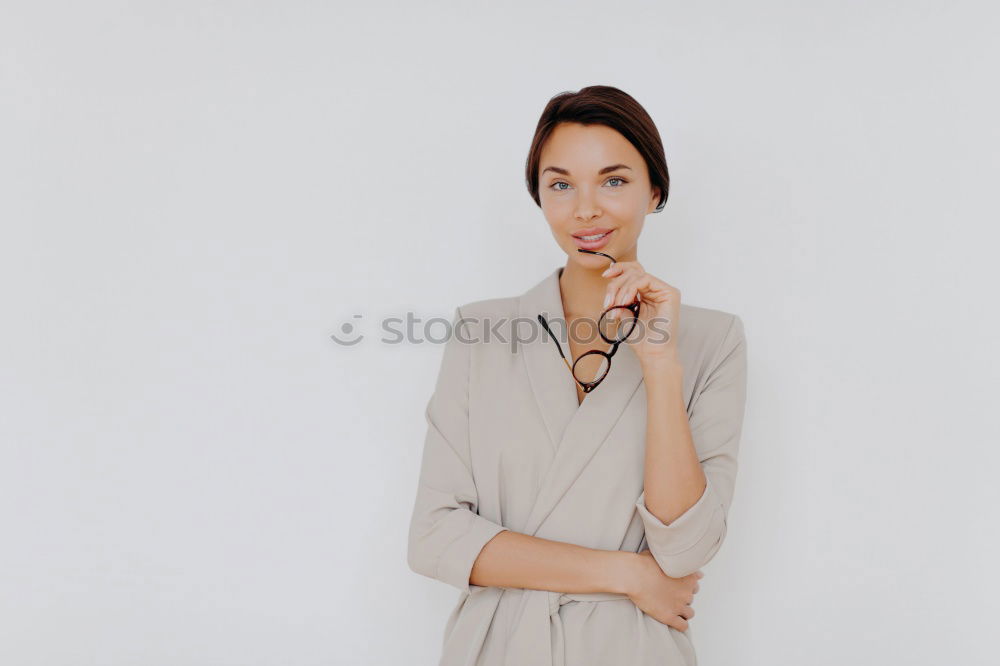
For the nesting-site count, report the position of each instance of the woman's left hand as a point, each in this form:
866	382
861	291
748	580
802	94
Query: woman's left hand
659	311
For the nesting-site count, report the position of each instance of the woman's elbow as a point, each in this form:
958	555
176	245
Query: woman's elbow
693	558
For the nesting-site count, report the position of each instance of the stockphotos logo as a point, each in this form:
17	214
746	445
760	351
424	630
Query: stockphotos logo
412	329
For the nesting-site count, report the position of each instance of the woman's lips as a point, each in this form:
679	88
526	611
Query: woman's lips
594	244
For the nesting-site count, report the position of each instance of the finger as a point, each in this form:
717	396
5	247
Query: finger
614	290
614	281
619	271
680	623
626	290
687	612
651	290
613	269
622	273
634	289
616	299
625	295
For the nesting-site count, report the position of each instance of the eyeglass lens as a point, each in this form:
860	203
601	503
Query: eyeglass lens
619	328
590	367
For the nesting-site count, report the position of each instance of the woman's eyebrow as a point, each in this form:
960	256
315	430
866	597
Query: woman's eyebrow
607	169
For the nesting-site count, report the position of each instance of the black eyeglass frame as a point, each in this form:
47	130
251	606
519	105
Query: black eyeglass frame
633	308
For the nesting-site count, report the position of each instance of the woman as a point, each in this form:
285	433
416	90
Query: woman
573	502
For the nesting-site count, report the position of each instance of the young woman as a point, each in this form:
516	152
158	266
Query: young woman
581	450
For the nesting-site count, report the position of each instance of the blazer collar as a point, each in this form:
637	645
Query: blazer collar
575	432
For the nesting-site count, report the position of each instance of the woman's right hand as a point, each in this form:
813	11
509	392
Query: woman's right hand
665	599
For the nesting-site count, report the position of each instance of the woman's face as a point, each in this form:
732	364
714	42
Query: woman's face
592	181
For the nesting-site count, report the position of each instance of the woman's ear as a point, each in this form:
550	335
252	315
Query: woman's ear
654	199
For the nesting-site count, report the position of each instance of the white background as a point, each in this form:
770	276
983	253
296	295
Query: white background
196	195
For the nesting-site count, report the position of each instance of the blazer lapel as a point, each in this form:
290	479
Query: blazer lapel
551	382
575	432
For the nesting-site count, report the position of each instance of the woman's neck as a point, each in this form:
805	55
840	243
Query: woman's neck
583	289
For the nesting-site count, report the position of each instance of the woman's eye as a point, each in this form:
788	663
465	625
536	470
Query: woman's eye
556	185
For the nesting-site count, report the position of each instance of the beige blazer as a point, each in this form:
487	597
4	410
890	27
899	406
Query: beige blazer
508	448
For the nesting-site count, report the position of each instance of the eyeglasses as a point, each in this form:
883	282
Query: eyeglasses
590	369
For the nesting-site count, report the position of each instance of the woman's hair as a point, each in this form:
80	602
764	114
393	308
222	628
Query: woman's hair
602	105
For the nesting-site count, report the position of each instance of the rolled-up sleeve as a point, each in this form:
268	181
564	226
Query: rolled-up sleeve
446	531
716	419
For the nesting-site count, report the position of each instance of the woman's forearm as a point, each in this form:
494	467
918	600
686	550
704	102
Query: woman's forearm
673	481
673	477
512	559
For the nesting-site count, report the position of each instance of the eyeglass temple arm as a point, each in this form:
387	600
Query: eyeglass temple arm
558	346
608	256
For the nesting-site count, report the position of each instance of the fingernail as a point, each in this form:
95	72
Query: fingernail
607	300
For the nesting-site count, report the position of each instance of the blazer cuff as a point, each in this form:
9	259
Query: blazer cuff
686	530
455	565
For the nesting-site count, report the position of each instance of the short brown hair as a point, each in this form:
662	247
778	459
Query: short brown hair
602	105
